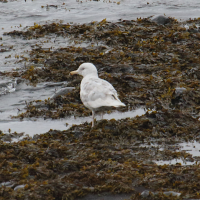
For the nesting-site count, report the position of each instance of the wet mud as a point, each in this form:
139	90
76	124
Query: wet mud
151	66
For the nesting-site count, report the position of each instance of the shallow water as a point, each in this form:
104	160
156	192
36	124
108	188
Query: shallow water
40	126
192	148
174	162
74	11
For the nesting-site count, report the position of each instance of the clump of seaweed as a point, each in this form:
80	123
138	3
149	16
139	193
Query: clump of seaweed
150	65
107	158
144	61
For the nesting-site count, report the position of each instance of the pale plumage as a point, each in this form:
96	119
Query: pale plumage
96	94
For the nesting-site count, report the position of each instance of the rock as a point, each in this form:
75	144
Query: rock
145	193
161	20
6	184
168	193
62	91
19	187
89	188
179	90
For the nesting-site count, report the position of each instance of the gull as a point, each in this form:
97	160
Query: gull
96	94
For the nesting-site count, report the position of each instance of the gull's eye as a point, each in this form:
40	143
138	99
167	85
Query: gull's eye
82	68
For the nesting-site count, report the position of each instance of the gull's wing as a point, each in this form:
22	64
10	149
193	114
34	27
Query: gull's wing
96	92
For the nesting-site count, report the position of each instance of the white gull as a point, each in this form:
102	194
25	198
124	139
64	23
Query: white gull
96	94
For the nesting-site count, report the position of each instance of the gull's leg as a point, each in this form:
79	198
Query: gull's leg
93	115
102	114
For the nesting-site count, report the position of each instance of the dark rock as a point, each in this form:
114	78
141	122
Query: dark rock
161	20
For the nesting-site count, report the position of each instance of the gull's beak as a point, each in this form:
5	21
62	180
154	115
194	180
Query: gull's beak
73	72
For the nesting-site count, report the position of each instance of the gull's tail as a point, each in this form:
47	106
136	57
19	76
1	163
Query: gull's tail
116	102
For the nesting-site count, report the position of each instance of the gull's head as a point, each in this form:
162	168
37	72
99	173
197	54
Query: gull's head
86	69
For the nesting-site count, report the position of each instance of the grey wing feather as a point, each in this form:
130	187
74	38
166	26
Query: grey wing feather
99	88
